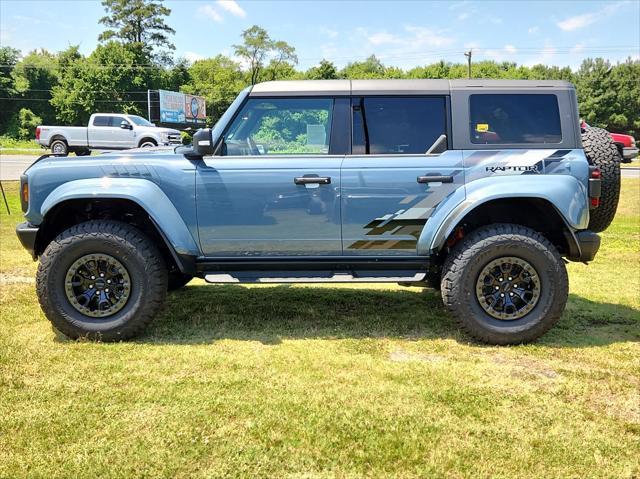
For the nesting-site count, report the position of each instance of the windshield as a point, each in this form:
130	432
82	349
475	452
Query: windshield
138	120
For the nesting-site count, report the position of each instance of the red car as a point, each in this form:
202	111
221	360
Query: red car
626	145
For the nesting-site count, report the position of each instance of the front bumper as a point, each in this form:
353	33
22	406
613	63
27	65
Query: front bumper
27	234
587	244
629	153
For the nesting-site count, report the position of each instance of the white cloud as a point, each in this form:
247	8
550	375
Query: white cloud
193	56
382	38
426	37
578	48
329	32
546	57
232	7
533	30
210	12
580	21
463	16
502	54
458	5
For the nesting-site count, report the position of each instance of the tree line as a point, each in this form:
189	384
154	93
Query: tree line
135	54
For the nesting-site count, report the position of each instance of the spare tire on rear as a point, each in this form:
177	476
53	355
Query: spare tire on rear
602	152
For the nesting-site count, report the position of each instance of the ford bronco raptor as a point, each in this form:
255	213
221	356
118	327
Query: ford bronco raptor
480	188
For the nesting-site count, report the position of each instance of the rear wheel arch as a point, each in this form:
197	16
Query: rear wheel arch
69	213
538	214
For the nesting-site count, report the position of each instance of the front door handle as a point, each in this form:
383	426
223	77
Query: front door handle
312	180
435	179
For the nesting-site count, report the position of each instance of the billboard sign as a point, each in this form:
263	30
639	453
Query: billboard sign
195	111
180	108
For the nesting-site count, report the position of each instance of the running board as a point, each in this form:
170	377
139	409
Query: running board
304	277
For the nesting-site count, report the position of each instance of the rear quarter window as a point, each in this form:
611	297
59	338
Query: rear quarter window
514	119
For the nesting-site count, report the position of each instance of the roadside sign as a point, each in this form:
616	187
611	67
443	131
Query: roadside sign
177	108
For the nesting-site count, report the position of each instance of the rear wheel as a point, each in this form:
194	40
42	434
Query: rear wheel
102	280
59	147
505	284
602	152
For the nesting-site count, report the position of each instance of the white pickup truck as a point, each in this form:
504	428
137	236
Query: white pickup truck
106	131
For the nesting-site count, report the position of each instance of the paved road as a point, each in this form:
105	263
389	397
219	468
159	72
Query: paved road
12	166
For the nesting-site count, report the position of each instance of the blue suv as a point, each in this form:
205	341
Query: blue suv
478	188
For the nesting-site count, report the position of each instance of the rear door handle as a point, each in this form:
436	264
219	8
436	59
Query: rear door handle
312	180
435	179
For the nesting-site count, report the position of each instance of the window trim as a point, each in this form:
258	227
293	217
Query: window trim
506	145
218	149
358	100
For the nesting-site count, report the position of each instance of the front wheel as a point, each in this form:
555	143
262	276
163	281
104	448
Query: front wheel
505	284
101	280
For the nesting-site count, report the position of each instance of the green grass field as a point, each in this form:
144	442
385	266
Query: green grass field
319	382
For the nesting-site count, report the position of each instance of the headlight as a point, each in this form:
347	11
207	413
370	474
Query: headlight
164	136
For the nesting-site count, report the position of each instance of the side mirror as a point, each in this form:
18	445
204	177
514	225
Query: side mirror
202	145
125	125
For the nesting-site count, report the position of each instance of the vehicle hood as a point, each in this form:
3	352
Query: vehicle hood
159	129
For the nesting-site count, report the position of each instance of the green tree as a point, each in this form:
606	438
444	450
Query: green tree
24	124
9	57
257	46
219	80
372	67
325	70
596	97
110	79
139	22
625	80
282	65
35	76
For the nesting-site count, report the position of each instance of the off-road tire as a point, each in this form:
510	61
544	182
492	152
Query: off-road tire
61	147
602	152
468	258
177	280
135	251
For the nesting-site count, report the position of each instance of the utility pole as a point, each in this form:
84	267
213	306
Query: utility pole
468	55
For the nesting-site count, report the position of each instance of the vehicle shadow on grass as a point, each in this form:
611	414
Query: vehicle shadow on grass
201	314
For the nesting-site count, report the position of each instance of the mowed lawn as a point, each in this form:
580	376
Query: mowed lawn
315	382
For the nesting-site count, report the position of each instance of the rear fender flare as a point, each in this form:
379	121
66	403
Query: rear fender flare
567	195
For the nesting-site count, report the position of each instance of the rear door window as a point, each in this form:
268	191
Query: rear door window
102	121
397	125
514	119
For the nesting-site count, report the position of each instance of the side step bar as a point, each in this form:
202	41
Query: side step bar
316	277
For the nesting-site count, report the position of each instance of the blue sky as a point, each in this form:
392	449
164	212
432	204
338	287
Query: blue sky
401	33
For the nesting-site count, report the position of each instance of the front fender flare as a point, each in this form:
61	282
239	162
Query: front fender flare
564	192
145	193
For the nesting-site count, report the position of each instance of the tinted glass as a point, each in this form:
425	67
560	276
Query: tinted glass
117	120
138	120
102	121
398	125
503	119
281	127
